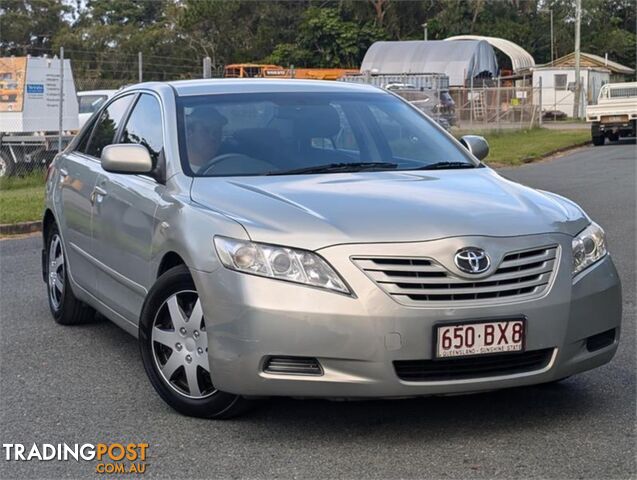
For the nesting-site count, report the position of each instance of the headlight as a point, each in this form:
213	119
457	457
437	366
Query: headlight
588	247
283	263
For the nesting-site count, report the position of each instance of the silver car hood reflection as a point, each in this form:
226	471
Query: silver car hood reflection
315	211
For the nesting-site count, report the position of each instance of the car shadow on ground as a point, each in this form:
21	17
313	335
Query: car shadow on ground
524	407
623	141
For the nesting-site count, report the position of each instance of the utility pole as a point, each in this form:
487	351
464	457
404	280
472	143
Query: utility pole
552	42
424	26
207	67
139	65
578	86
61	112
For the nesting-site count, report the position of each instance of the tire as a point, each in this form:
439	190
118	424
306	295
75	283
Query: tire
65	308
7	165
598	140
172	326
613	137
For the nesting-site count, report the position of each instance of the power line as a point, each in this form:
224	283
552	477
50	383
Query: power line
100	52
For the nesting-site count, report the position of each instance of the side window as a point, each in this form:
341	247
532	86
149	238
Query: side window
144	126
402	142
560	81
345	139
107	125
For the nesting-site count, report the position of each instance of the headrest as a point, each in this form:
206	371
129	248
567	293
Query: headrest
312	121
205	115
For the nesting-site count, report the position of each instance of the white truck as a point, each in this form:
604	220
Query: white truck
30	90
615	114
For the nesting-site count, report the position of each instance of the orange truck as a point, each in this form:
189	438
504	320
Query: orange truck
260	70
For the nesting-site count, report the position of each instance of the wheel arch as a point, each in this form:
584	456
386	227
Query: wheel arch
48	220
169	260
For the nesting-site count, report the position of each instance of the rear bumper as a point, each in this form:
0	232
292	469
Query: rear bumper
622	128
357	339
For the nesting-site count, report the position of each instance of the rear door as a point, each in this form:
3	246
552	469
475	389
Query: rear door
79	171
124	222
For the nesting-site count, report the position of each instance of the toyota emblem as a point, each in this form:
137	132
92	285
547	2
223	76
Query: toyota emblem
472	260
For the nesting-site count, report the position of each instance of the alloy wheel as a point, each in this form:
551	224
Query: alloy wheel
180	345
56	271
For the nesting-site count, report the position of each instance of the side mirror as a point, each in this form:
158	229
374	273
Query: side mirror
476	145
126	158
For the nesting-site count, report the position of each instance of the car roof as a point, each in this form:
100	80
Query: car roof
249	85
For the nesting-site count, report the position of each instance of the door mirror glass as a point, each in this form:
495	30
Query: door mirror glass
126	158
476	145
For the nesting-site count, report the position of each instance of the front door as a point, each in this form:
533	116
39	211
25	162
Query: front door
79	171
124	219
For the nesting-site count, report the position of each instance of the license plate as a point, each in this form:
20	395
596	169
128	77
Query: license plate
479	338
615	119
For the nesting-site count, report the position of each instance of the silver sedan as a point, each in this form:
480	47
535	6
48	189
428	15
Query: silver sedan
317	239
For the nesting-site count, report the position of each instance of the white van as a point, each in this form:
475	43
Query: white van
90	101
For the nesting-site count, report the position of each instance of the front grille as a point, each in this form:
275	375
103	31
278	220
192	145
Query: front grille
293	365
472	367
418	280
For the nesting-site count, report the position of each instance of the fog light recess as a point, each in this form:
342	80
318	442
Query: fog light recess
292	366
601	340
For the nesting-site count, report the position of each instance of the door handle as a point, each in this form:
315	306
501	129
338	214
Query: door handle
97	192
63	175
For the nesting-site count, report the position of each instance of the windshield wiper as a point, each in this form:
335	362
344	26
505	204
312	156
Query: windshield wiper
339	167
445	165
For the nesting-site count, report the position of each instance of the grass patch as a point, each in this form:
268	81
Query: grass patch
33	179
21	204
22	198
523	146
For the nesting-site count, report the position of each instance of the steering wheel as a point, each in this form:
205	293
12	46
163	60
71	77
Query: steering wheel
226	157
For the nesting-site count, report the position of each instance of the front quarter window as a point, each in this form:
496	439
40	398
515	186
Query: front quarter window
144	126
106	127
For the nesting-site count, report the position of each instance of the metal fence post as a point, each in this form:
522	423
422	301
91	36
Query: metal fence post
539	117
61	113
484	101
471	103
498	101
139	65
207	67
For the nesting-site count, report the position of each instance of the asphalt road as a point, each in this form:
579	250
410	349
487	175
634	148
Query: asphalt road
86	384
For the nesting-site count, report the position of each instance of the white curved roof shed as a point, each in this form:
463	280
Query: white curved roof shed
520	58
460	61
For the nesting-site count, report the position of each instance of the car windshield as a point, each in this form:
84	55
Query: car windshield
90	103
298	133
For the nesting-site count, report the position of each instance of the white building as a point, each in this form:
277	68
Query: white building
558	87
557	80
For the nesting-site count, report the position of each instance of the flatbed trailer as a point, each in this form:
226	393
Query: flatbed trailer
37	100
22	153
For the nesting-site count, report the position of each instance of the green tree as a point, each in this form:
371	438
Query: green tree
28	26
325	39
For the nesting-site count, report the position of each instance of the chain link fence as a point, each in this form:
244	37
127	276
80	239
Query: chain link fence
28	146
496	107
31	99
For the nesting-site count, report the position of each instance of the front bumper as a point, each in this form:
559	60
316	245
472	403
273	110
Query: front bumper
357	338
